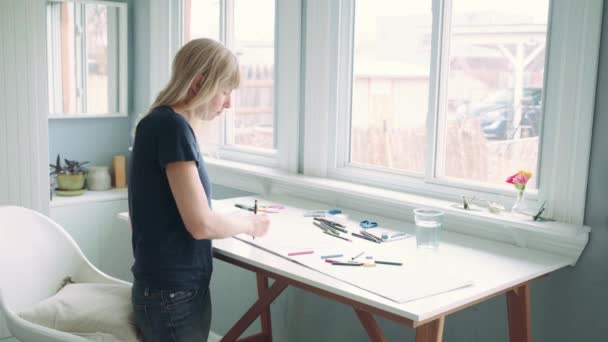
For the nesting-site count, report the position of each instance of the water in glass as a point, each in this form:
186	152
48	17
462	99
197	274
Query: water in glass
428	228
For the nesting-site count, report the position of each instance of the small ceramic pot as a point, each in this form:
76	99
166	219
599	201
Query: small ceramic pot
70	181
98	178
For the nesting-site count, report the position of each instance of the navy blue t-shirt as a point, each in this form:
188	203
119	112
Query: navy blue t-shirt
166	255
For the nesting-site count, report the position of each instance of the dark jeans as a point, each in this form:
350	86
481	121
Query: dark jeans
165	315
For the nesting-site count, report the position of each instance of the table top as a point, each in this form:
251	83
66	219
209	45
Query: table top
491	267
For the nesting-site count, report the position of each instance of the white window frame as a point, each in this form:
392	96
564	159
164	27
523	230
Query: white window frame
572	53
308	176
117	52
286	108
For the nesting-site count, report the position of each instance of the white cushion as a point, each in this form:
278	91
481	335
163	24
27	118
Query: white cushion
87	308
99	337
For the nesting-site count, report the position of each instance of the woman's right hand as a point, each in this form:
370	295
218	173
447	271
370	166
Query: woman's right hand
259	225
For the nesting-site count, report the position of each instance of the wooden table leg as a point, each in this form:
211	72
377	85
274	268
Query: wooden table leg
431	331
265	317
518	305
255	310
370	325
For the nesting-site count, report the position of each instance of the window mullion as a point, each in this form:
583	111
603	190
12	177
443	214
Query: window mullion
55	61
288	31
319	77
435	149
227	36
345	54
79	56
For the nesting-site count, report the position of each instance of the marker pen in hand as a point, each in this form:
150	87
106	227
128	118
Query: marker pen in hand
255	210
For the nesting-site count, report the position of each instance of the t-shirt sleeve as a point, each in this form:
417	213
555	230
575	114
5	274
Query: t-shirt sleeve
176	143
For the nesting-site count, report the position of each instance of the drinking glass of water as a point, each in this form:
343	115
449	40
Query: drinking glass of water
428	228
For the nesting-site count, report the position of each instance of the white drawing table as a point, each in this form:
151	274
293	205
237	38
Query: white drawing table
493	268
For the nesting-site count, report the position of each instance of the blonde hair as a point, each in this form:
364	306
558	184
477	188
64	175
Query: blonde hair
218	65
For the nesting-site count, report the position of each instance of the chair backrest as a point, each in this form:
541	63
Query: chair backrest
36	254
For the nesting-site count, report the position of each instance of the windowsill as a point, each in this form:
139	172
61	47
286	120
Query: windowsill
551	236
87	116
89	197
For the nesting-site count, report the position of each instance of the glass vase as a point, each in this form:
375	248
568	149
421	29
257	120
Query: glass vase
518	206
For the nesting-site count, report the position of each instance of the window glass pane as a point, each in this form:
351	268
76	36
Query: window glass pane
249	32
98	96
252	122
392	53
84	59
62	58
494	88
201	19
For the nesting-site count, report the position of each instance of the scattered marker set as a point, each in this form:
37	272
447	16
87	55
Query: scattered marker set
335	229
352	261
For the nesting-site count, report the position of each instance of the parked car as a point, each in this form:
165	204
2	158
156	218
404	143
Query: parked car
495	114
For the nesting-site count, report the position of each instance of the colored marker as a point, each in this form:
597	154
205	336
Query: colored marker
346	264
299	253
244	207
332	227
331	256
370	235
364	237
389	263
255	210
330	222
320	226
356	256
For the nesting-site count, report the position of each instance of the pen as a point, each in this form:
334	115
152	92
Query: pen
370	235
338	236
244	207
320	226
255	210
330	222
327	228
356	256
389	263
346	264
300	253
331	256
332	227
364	237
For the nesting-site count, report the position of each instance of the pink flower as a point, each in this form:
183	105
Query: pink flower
520	179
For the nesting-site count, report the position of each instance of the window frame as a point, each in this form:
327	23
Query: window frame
568	25
116	51
573	44
427	183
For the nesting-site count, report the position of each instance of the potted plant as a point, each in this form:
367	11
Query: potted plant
69	176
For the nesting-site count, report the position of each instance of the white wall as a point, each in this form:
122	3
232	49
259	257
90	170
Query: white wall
24	161
24	178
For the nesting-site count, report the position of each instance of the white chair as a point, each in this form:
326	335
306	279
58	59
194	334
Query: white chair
36	254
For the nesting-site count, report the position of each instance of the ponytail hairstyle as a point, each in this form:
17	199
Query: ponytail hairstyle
218	66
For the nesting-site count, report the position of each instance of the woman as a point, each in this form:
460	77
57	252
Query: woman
170	198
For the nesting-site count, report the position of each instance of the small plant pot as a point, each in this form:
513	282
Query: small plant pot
70	181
